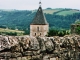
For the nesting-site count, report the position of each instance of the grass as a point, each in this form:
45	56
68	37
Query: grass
64	13
50	11
70	12
9	30
12	31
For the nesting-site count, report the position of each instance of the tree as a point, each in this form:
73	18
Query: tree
78	30
55	32
77	21
52	32
27	32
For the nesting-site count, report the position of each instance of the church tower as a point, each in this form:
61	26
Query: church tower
39	25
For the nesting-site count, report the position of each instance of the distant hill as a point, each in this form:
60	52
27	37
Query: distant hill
21	19
63	12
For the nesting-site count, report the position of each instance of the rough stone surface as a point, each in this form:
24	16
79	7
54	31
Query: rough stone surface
26	47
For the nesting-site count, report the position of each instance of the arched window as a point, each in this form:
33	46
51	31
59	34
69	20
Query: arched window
40	34
35	34
37	28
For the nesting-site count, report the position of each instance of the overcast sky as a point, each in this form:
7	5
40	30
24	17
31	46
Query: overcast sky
34	4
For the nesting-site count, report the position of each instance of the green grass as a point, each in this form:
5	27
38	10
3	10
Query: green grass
64	13
50	11
70	12
2	30
8	30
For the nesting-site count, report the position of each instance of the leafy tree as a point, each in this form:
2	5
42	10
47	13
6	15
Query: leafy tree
78	30
77	21
26	32
55	32
52	32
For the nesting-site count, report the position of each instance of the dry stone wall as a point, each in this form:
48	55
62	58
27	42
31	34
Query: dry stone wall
40	48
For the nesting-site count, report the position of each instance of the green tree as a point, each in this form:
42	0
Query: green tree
78	30
27	32
77	21
52	32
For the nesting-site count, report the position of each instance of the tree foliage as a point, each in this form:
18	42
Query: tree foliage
22	19
78	30
54	32
77	21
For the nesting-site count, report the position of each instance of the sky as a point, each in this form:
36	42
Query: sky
34	4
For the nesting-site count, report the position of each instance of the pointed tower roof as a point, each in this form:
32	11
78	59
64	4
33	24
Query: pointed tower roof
39	18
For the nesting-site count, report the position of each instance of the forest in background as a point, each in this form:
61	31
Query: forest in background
21	19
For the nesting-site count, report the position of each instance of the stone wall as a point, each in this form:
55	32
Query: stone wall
40	48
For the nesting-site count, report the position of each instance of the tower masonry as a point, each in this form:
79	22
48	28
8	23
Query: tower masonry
39	25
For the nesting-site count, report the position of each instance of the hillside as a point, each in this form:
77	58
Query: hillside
21	19
7	31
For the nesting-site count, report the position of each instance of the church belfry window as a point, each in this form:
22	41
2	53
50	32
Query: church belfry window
37	28
35	34
40	34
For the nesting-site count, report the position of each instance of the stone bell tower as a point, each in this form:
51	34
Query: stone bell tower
39	25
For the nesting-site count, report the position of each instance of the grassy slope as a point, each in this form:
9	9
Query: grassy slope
50	11
64	12
8	30
70	12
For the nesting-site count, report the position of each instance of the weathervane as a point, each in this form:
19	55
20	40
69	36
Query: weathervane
40	3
